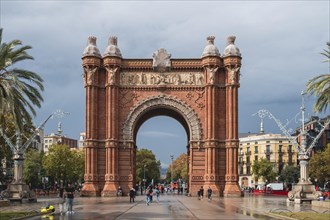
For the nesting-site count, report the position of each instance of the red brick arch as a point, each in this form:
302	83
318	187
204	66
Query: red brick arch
168	103
202	94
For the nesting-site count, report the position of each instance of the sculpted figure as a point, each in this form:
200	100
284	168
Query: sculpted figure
232	72
89	74
111	71
212	74
199	80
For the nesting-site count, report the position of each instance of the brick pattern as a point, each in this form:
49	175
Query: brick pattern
110	157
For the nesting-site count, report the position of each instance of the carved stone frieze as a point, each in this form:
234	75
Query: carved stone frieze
170	102
165	78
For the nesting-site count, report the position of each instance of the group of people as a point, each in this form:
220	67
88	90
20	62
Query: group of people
149	193
66	196
200	193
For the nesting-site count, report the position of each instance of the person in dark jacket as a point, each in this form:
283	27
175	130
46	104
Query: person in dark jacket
131	195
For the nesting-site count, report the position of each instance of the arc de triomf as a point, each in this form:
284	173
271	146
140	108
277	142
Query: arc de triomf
200	93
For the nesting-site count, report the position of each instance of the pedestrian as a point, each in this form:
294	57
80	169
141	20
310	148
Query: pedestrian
157	194
148	195
131	195
150	192
61	203
209	193
69	191
201	192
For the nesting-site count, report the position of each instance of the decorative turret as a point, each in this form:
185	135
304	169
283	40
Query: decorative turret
91	49
210	49
231	49
112	49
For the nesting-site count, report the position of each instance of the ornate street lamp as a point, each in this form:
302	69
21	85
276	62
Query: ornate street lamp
18	189
304	190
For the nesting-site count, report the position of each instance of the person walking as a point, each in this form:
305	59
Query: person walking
157	194
61	201
148	195
69	191
209	193
131	195
201	192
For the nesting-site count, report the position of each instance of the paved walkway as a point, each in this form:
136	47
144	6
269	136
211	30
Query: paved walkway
169	207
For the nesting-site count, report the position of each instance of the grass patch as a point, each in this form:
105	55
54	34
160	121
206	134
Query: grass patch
6	215
305	215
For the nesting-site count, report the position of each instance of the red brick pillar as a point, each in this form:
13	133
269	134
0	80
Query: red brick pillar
232	65
91	65
211	62
112	66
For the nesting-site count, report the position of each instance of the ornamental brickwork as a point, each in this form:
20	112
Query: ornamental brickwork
201	94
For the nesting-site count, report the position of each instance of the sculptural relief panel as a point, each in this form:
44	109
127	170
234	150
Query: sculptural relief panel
157	78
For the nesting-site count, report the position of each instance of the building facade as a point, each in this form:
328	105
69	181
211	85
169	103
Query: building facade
312	127
275	148
58	138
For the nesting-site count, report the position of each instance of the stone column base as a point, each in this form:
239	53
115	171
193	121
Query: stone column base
232	190
109	190
90	189
17	191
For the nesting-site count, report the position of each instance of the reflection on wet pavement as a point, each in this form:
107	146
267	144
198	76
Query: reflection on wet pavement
170	207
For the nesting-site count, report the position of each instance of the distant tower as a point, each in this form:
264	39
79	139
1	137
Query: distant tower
59	128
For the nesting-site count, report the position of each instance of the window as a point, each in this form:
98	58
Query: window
268	148
255	158
248	170
280	148
248	149
247	160
255	149
290	148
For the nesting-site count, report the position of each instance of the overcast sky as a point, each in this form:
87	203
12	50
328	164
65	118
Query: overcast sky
280	42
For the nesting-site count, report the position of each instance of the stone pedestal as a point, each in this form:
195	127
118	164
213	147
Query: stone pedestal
232	190
17	191
110	189
304	191
90	189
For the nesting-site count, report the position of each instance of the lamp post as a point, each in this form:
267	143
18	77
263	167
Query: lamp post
172	156
144	176
18	149
304	190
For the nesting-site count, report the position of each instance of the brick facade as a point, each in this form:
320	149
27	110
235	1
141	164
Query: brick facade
121	94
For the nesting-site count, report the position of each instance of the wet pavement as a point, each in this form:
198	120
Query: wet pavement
169	207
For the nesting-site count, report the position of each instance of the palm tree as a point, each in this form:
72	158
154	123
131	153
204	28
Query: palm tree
19	88
320	86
